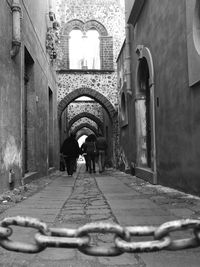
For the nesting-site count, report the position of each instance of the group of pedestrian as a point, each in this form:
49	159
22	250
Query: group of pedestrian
94	148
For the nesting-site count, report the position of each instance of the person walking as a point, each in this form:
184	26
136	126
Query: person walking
91	152
101	145
71	151
84	154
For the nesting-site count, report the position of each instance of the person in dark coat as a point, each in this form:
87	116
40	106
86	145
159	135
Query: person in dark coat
70	150
101	145
91	152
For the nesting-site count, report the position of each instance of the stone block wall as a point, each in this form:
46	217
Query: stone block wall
103	83
109	13
80	107
84	121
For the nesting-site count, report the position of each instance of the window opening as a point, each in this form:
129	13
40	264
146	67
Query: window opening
84	49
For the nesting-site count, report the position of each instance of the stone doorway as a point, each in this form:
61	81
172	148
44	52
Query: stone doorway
145	116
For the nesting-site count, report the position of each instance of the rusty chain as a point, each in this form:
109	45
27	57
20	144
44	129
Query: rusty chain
81	238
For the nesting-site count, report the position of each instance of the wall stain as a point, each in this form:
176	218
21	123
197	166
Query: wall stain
11	154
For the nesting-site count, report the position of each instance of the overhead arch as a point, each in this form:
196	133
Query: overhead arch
85	91
73	24
86	125
83	131
79	24
94	24
87	115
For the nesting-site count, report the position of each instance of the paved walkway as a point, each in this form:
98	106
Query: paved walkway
110	197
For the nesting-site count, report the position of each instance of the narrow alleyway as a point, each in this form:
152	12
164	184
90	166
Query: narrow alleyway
114	197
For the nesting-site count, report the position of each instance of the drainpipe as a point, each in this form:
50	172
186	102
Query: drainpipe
128	61
16	32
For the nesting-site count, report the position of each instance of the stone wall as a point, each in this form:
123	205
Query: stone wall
162	28
103	83
109	13
13	148
84	121
77	108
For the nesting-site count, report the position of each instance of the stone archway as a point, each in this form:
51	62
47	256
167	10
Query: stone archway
86	125
84	91
87	115
83	131
78	24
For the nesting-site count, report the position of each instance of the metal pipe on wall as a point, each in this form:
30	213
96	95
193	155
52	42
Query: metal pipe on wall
128	61
16	32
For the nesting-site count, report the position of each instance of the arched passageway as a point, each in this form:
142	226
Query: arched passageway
84	91
109	127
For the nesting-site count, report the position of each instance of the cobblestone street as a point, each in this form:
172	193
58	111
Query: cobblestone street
113	196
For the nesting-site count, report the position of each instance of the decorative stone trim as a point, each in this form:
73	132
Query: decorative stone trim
52	42
91	24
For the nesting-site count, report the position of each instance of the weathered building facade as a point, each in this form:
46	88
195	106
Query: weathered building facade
158	83
28	105
87	71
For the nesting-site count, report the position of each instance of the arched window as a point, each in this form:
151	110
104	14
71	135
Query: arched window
84	49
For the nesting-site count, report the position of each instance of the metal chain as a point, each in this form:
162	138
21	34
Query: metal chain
81	239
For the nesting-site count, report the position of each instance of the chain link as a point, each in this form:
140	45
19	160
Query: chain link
81	239
180	225
61	242
145	246
101	227
23	222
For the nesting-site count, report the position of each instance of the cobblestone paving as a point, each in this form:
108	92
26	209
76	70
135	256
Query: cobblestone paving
87	204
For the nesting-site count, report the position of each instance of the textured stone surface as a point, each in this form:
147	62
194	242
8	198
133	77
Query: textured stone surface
108	12
103	83
77	108
84	120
